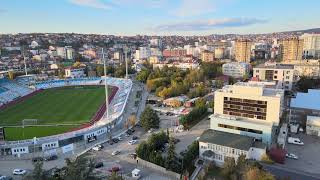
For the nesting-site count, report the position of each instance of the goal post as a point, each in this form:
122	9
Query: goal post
28	122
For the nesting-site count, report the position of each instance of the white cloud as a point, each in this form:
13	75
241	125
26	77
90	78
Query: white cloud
92	3
208	24
195	7
141	3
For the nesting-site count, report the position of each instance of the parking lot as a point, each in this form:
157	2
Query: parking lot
308	161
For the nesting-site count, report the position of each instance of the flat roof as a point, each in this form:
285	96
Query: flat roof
278	66
308	100
229	140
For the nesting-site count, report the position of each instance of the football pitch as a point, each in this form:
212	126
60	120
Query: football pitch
59	109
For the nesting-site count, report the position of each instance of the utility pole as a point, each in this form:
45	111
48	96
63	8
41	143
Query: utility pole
126	59
105	83
24	59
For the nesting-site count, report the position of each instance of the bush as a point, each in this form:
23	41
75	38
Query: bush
195	115
266	159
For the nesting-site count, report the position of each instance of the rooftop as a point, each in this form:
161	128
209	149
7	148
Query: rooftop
277	66
308	100
230	140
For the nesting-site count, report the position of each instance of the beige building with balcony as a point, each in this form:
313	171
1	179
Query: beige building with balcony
291	49
243	50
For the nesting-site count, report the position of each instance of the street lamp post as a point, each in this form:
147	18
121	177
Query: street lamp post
105	83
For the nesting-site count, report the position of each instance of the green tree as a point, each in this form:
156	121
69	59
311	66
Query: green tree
115	176
149	118
79	169
171	163
143	75
38	172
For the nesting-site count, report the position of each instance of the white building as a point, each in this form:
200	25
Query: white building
313	125
283	74
143	53
216	146
65	52
156	42
236	69
74	72
311	45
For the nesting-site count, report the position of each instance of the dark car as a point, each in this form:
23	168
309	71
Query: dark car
176	141
115	140
51	158
134	138
98	165
37	159
110	142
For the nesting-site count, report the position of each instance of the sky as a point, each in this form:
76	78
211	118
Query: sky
158	17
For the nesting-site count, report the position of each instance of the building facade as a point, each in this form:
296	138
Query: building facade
283	74
243	50
236	69
291	49
311	45
207	56
74	72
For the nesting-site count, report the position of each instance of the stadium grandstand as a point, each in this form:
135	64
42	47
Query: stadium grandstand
99	125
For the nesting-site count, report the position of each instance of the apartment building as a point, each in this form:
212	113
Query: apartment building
236	69
309	68
243	50
311	45
207	56
291	49
249	109
283	74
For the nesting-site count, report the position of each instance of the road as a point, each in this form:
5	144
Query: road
281	172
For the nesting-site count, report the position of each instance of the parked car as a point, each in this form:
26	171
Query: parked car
133	155
126	135
5	177
115	153
115	140
134	138
296	141
97	148
37	159
114	169
98	165
51	158
110	142
19	172
291	156
176	140
150	130
132	142
120	138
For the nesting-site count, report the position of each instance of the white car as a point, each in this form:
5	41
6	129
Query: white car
296	141
19	172
97	148
151	130
132	142
120	138
291	156
115	153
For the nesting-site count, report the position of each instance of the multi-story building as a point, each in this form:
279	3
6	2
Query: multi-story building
291	49
207	56
309	68
236	69
143	53
65	52
283	74
156	42
174	52
74	72
243	50
219	53
249	109
311	45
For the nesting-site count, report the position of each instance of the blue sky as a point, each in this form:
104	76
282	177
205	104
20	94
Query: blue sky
158	17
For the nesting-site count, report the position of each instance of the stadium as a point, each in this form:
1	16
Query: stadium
57	116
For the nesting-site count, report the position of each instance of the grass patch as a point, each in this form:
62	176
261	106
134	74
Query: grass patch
72	105
13	134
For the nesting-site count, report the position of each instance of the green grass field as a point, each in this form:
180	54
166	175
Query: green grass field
67	105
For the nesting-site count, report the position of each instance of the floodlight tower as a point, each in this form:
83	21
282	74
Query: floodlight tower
105	83
126	59
24	60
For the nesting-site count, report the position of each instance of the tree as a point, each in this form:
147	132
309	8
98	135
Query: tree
171	163
149	118
229	168
79	169
38	172
218	84
100	70
255	173
143	75
132	120
115	176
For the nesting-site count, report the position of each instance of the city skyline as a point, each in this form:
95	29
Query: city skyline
156	17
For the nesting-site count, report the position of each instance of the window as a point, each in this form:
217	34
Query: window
275	77
287	77
276	72
232	151
257	71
